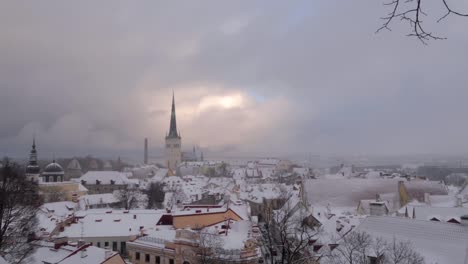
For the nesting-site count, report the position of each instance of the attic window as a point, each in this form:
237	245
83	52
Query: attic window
112	182
109	212
453	221
332	246
98	220
116	220
317	248
435	219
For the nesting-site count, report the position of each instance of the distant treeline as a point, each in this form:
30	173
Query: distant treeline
437	173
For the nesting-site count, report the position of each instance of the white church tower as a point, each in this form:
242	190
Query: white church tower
173	143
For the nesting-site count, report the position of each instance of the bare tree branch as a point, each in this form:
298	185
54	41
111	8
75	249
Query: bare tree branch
412	12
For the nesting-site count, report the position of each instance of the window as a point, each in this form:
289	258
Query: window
114	246
147	257
106	244
123	248
98	244
137	255
158	260
171	261
376	260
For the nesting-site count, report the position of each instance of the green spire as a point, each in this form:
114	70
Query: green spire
173	124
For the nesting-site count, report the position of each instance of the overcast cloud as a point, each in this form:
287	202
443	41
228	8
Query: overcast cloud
280	77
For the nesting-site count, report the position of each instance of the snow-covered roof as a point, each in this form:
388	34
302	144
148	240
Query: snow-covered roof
256	192
157	236
159	175
438	242
238	233
112	223
2	260
44	252
59	208
105	177
441	213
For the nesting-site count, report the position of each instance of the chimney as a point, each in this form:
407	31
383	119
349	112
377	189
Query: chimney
464	220
377	208
146	151
427	199
81	243
83	253
134	216
107	254
459	202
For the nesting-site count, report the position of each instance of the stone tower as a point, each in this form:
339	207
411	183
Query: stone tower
32	170
173	142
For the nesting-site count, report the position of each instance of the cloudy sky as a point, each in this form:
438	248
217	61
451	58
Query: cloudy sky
282	77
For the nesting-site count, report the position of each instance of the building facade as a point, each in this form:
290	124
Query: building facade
173	143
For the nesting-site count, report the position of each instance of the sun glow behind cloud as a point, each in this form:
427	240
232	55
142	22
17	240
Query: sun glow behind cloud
222	101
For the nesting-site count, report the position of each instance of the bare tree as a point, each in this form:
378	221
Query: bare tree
55	194
352	249
209	248
412	12
19	203
155	193
130	197
402	252
290	232
361	248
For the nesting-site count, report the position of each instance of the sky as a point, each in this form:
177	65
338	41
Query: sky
263	77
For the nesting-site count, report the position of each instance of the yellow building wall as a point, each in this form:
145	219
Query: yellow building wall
404	197
67	188
197	221
116	259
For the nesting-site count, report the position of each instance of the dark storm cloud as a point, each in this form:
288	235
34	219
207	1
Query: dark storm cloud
267	76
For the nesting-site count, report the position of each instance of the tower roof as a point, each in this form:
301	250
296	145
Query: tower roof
33	167
173	125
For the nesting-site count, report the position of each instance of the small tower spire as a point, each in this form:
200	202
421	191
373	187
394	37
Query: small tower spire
173	123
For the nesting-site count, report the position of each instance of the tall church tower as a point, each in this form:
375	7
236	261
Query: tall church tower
33	170
173	142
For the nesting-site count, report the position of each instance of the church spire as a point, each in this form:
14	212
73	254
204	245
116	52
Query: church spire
33	167
173	124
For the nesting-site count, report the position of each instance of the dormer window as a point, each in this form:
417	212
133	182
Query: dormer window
98	182
112	182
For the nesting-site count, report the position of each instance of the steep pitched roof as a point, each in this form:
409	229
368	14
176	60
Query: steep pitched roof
173	124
